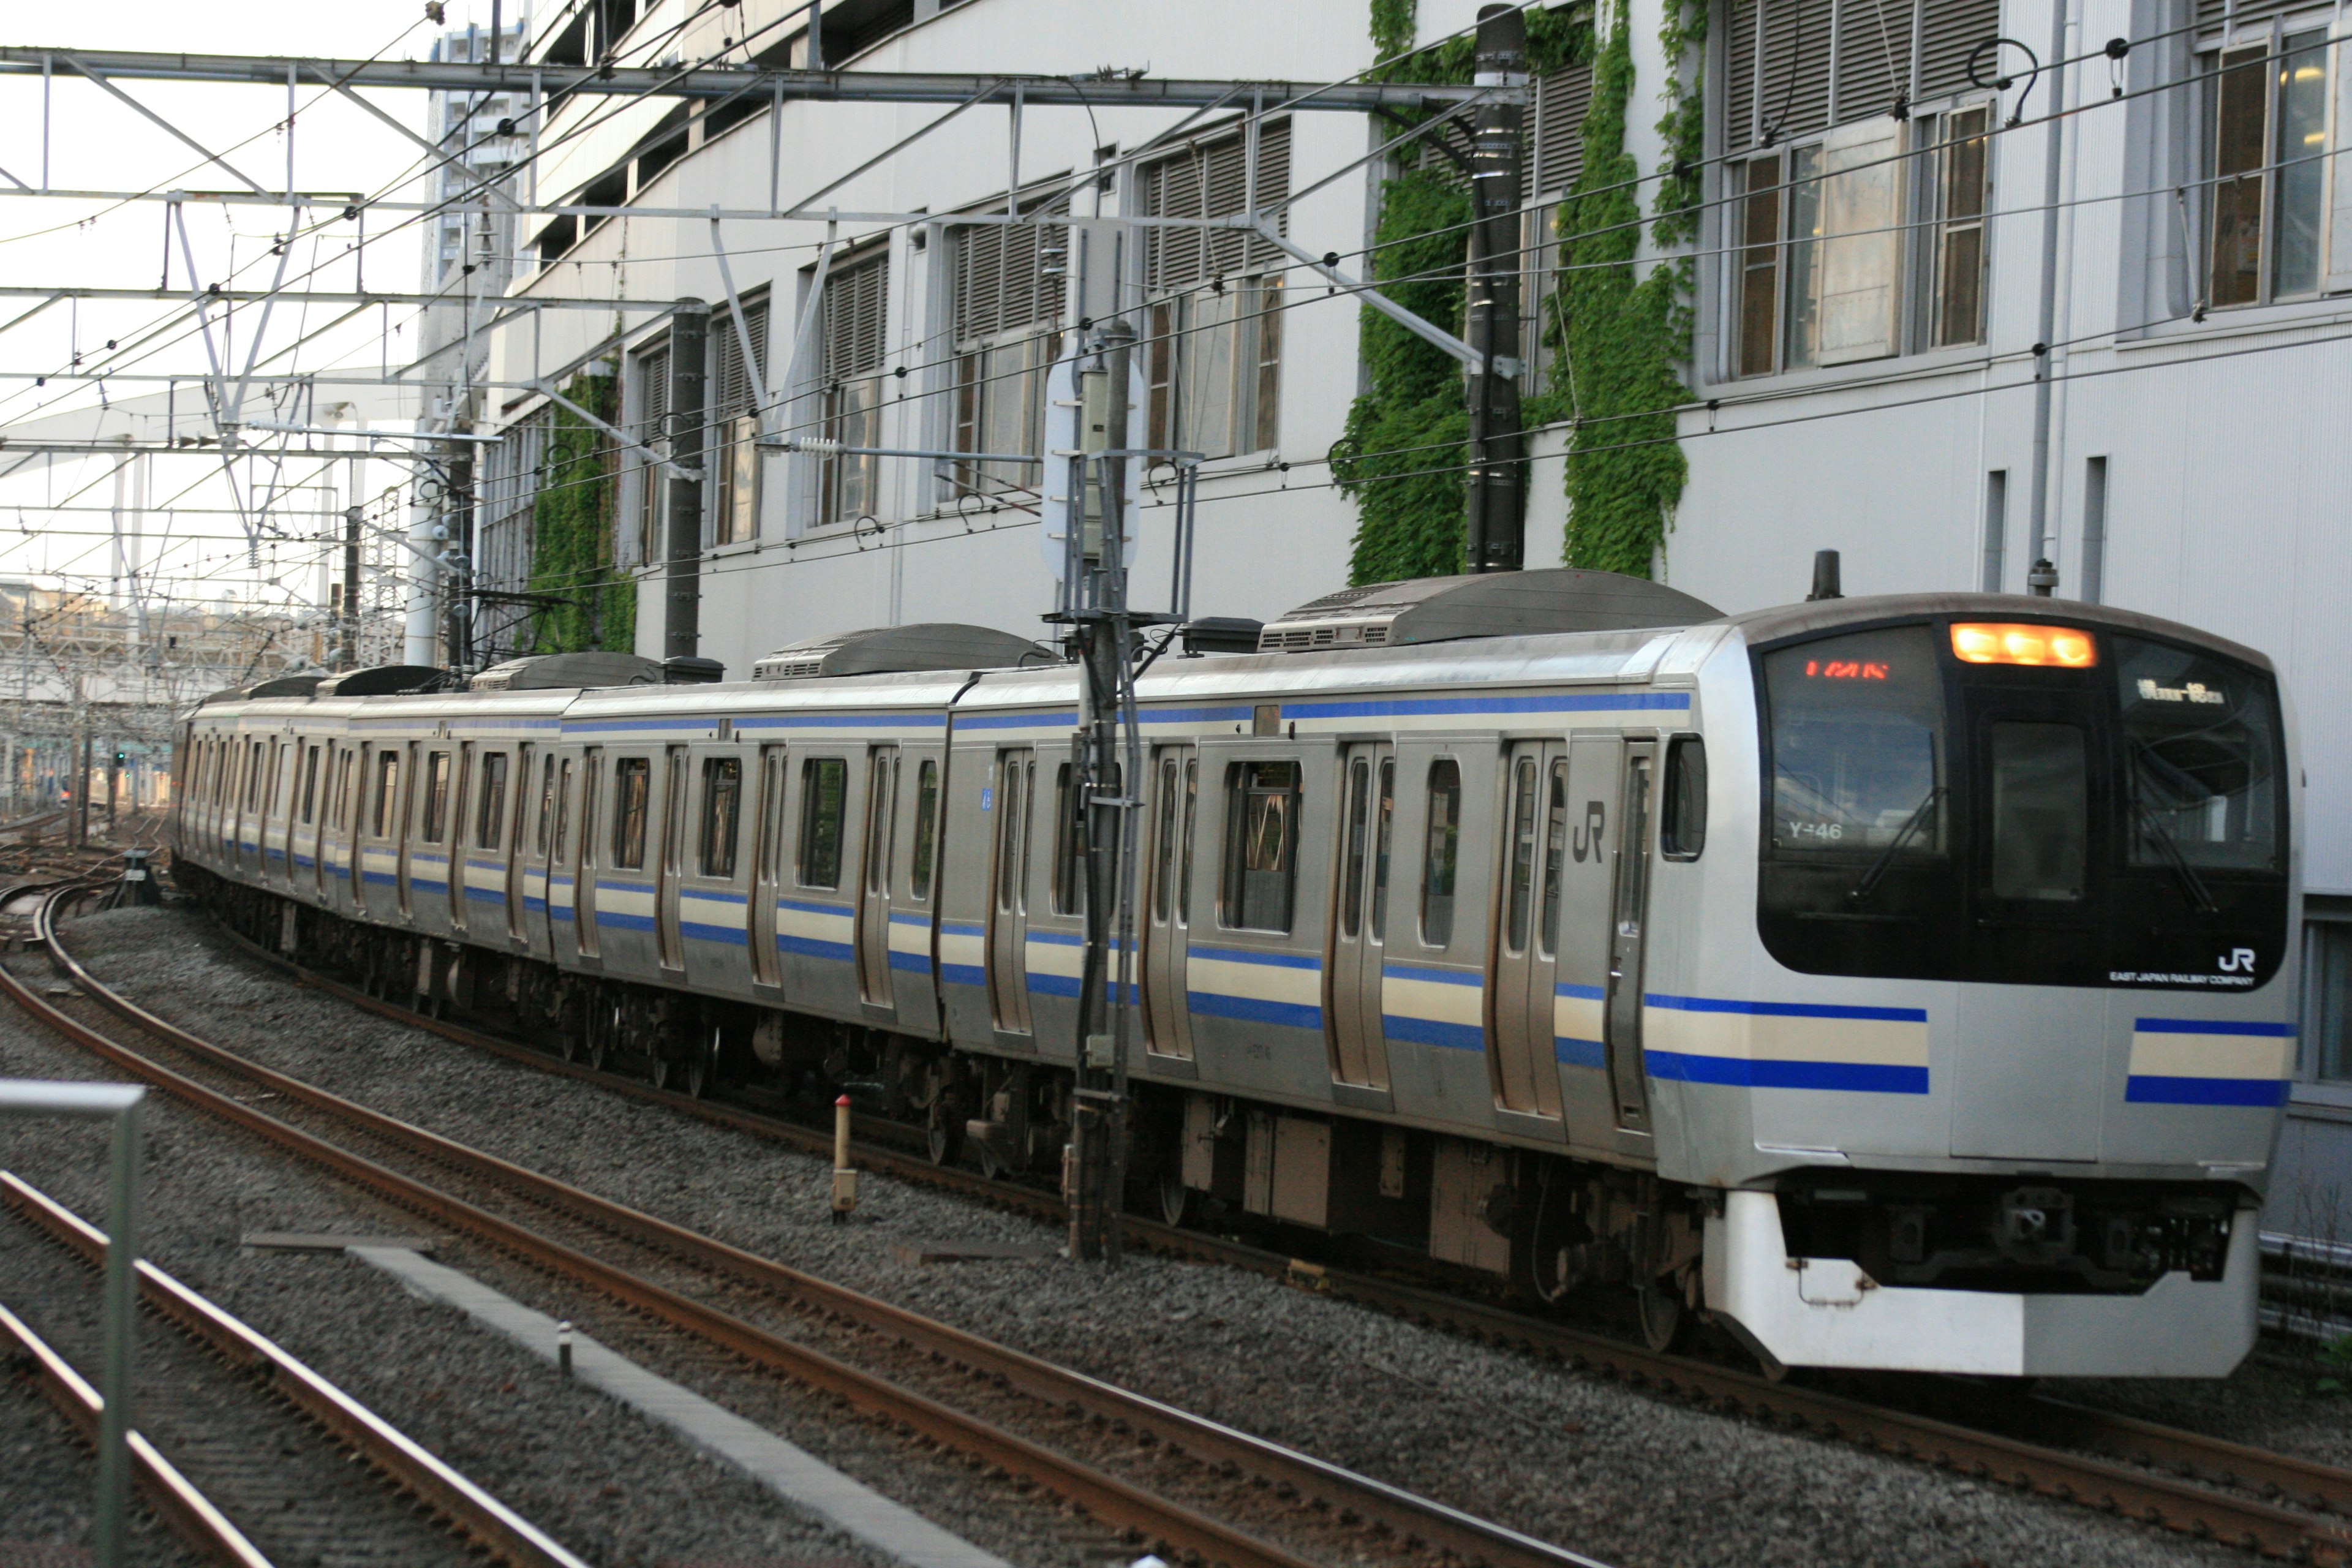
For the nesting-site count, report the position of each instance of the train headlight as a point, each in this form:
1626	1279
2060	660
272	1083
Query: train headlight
2019	642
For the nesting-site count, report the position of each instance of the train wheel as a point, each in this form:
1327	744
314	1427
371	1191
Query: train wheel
1659	1309
1175	1197
702	1068
603	1033
943	1138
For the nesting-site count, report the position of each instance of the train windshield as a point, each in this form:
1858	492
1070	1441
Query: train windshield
2203	763
1858	743
2037	804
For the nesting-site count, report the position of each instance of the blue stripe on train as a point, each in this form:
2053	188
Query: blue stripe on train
2150	1088
1864	1078
1252	1010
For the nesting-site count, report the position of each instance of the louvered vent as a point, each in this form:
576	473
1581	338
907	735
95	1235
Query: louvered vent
735	393
1783	57
856	295
1008	276
1874	56
1949	32
1210	179
1562	99
2213	14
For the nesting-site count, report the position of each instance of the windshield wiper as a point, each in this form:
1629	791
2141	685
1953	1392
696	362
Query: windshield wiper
2152	825
1911	824
2191	882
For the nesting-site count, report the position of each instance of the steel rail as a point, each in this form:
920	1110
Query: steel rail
1106	1497
2124	1489
186	1510
1111	91
481	1517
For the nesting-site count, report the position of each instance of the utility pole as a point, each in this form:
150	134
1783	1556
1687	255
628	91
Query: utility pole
2041	577
458	555
1495	526
347	656
689	329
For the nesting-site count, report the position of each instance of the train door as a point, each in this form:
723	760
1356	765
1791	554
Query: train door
1008	909
874	986
314	817
406	778
1359	941
1535	842
767	868
521	851
583	920
560	898
459	838
1167	913
669	939
1628	940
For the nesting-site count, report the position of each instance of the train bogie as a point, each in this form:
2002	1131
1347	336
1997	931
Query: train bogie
1900	983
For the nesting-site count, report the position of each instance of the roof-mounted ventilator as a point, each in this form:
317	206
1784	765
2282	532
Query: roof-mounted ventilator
889	650
387	680
1493	605
567	671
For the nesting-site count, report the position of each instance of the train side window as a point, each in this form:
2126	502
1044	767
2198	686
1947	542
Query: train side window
1682	821
310	783
546	802
437	796
723	806
1384	820
387	789
1261	845
1441	853
825	800
927	829
1069	845
253	777
491	816
632	786
1523	821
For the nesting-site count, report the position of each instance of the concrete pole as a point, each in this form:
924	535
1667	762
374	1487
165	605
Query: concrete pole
1496	491
689	332
2043	577
424	568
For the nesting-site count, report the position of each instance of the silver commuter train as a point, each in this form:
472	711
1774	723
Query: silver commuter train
1899	982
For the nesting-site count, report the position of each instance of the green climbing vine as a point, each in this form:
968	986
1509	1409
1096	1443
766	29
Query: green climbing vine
571	534
1617	343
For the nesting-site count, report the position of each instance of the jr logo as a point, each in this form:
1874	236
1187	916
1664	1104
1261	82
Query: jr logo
2239	961
1585	843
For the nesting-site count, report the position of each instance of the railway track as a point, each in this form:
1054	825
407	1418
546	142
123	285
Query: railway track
2273	1504
1055	1409
242	1446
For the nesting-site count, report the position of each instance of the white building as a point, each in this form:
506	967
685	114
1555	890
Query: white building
1877	255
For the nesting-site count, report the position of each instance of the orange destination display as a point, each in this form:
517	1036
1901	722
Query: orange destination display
2019	642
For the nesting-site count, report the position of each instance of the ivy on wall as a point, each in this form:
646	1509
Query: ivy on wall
1617	343
572	531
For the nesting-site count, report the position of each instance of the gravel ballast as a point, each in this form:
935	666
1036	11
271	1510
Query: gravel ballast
1598	1467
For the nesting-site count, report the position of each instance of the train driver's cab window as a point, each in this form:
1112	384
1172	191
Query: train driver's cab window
2203	758
1682	819
1261	845
491	820
632	793
1441	853
387	790
824	804
437	796
1858	746
722	808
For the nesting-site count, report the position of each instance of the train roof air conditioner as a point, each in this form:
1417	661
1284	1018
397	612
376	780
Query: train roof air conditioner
573	672
1496	605
387	680
885	650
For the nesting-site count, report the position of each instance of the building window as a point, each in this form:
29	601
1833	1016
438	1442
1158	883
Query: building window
652	432
851	349
1555	162
2327	1000
1006	327
1214	333
2267	139
1856	228
734	424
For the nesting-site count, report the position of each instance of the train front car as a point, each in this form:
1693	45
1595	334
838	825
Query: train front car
1989	1064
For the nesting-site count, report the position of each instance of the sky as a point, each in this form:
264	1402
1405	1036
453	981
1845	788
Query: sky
94	142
